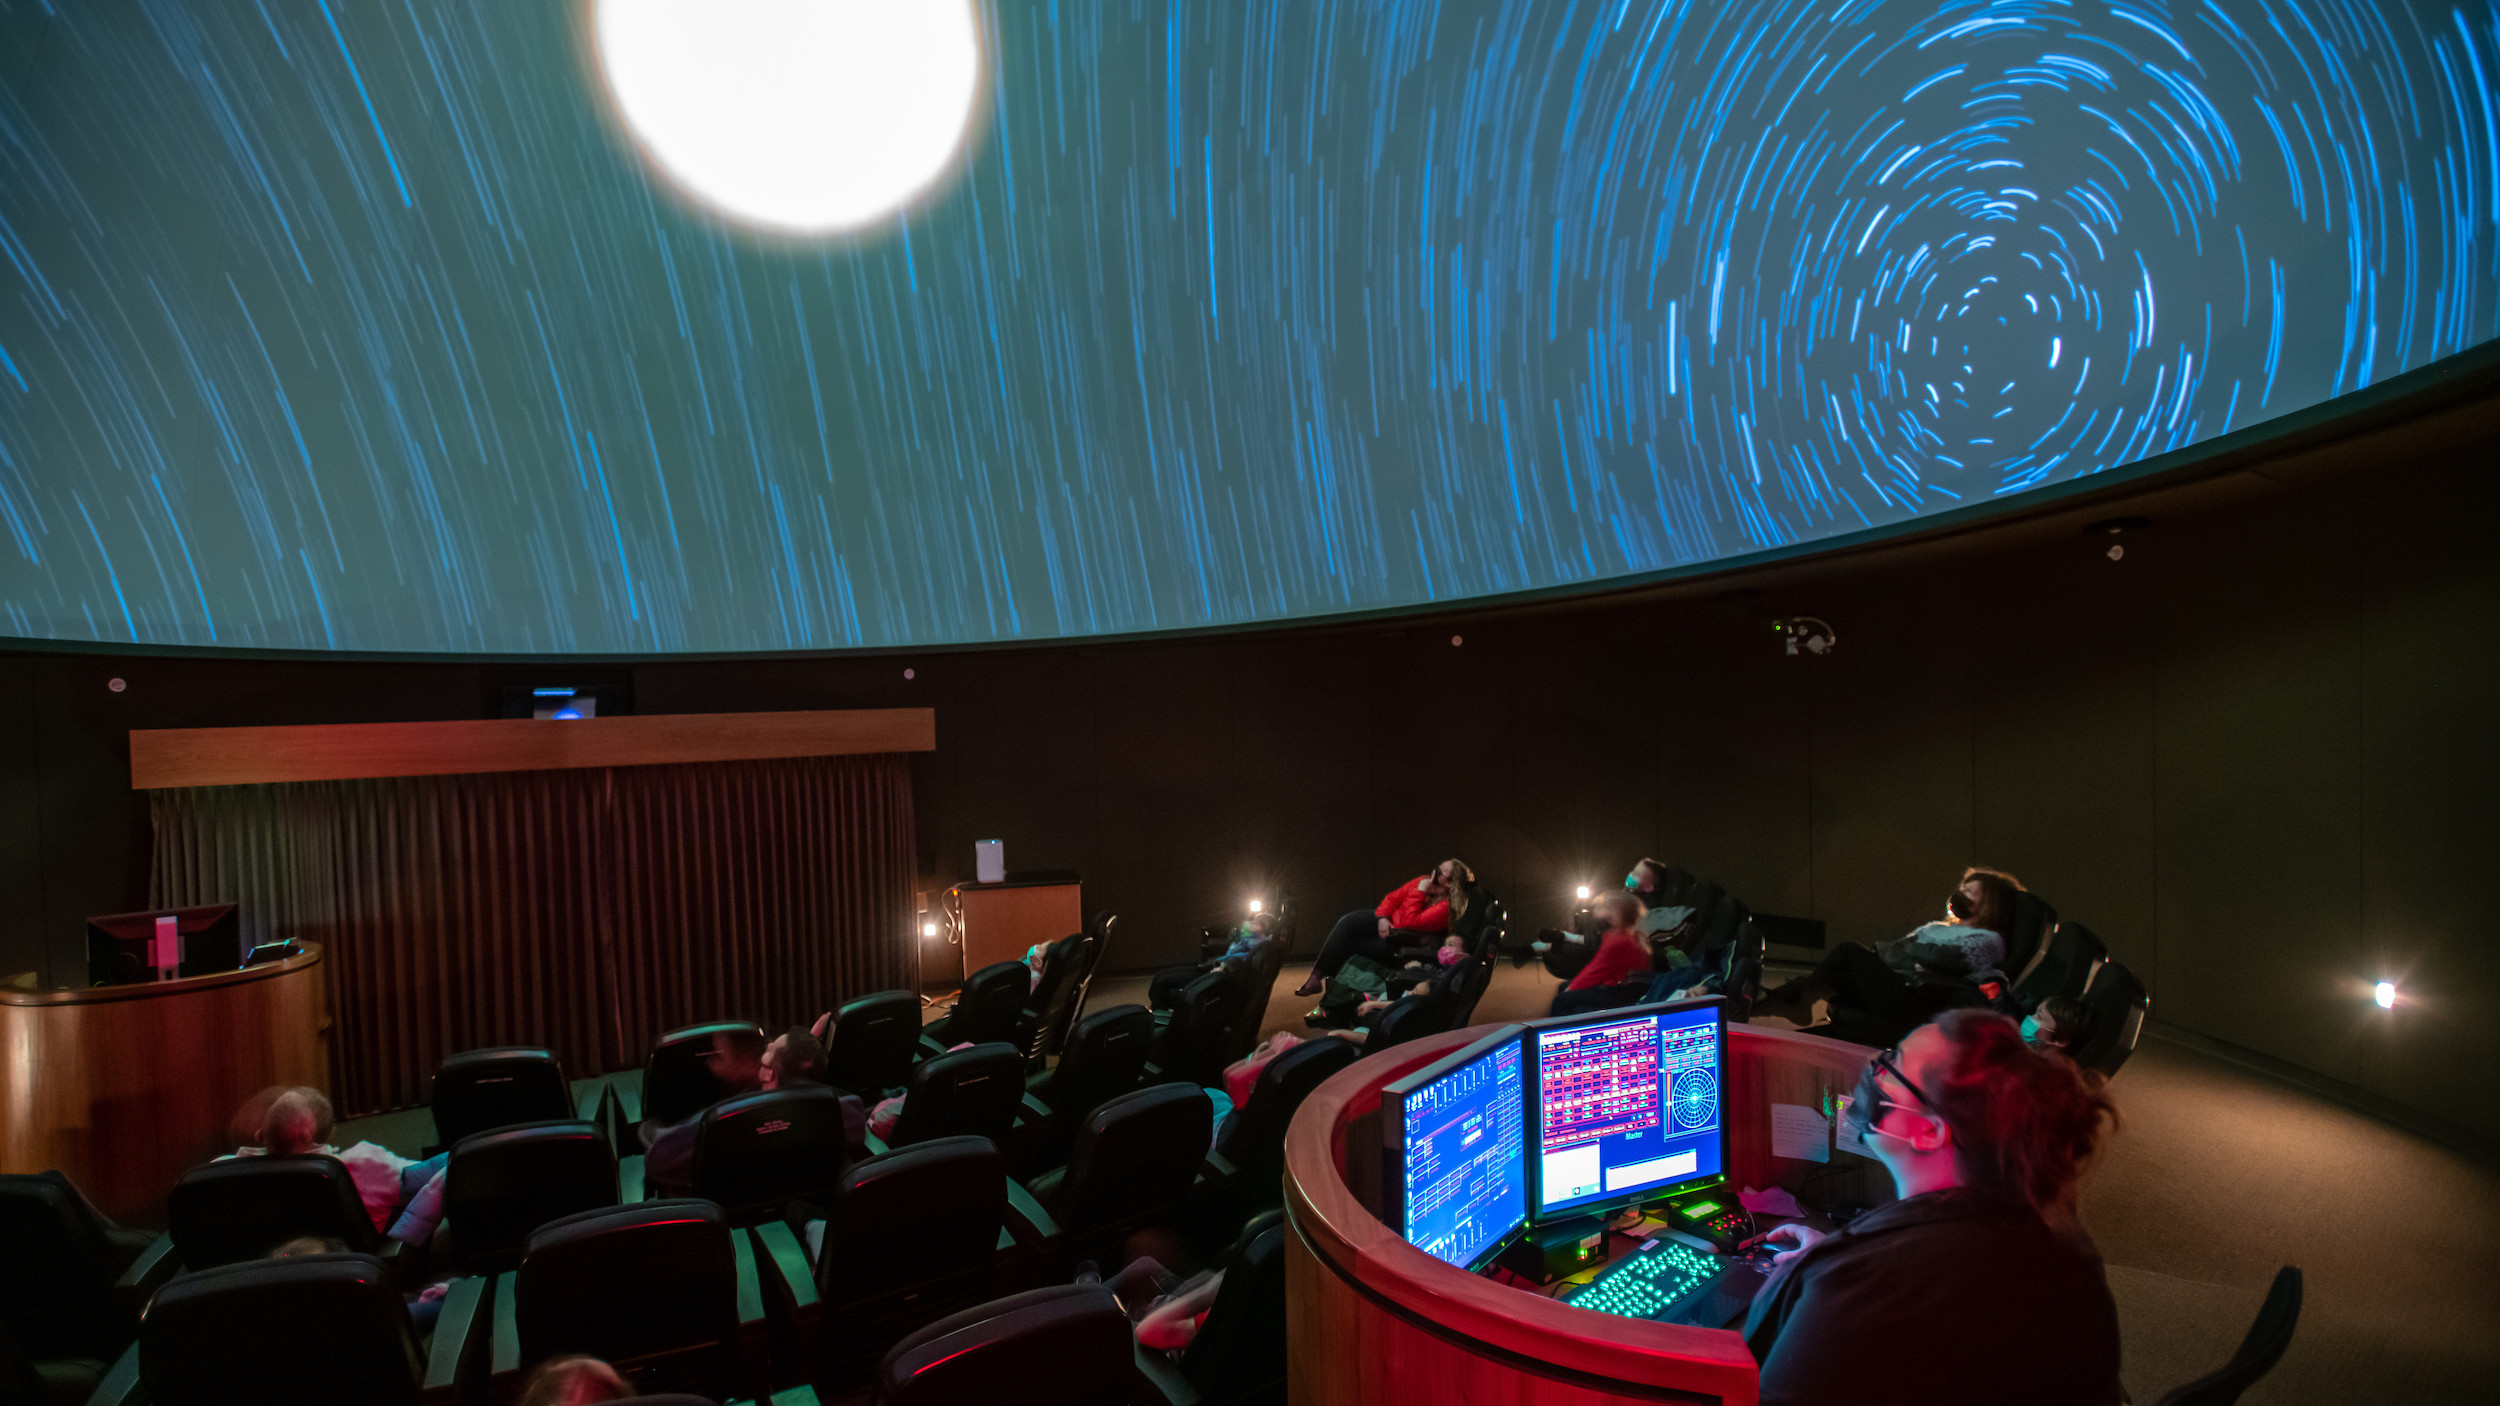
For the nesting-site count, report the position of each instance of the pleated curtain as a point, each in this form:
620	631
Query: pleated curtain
584	910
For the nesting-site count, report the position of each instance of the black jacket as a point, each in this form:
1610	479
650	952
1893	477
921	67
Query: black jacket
1937	1300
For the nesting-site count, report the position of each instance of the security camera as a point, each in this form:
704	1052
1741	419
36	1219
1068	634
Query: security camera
1806	634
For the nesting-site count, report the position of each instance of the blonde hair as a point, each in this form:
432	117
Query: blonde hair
1459	884
1622	907
298	1120
577	1380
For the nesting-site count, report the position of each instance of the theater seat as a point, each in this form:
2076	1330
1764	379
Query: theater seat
1238	1356
759	1152
2119	1007
1048	1011
27	1381
986	1010
1190	1043
975	1092
70	1284
477	1090
1062	1346
2027	944
875	1039
309	1330
665	1290
676	1082
1135	1161
2075	953
908	1237
1105	1057
241	1210
1250	1147
501	1185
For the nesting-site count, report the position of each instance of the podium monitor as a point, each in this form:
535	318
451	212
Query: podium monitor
121	947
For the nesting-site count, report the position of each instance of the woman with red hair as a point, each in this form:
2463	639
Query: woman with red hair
1979	1284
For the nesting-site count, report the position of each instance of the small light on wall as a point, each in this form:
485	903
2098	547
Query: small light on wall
1457	640
1256	905
928	929
2385	994
910	673
1581	893
117	685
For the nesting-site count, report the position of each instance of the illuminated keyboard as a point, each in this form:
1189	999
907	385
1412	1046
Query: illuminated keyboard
1662	1274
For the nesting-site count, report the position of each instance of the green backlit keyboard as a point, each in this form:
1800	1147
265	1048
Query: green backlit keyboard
1646	1284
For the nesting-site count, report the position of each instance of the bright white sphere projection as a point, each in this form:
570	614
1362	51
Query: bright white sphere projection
800	116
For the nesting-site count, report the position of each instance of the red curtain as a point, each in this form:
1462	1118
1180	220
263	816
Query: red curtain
584	910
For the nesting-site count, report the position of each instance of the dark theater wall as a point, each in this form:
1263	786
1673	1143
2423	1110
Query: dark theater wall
2256	755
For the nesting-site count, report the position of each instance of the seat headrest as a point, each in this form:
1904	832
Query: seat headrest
874	1009
626	1281
532	1139
309	1328
495	1056
243	1208
968	1067
1068	1345
912	1214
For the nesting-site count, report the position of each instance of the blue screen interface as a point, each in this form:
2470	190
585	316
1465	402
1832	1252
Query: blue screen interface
1625	1106
1466	1163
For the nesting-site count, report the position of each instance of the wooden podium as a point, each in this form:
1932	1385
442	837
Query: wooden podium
126	1087
998	922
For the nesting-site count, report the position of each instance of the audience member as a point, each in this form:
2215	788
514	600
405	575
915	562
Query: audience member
796	1060
1421	905
1986	1141
1621	953
1436	984
1165	990
573	1381
297	1120
1243	1073
1910	979
736	1063
309	1245
2060	1023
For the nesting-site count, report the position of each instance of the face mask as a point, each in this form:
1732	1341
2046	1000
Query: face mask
1960	906
1632	880
1863	1101
2031	1029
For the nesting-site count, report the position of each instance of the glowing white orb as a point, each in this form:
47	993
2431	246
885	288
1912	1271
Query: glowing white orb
2385	995
802	116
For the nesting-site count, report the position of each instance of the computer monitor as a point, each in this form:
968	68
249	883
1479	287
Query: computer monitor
1455	1178
1625	1106
118	944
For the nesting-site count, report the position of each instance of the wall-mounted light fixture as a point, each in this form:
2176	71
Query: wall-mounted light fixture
2385	994
1257	905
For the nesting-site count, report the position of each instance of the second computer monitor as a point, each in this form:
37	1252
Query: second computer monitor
1625	1105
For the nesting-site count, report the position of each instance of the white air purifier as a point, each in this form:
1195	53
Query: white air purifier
989	861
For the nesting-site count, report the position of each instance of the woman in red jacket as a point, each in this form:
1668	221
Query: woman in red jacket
1420	905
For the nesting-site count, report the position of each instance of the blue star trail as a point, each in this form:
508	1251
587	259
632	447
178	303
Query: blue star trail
355	324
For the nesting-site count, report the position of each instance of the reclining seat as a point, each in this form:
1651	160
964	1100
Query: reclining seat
1105	1057
227	1212
875	1039
1469	986
1250	1146
909	1237
58	1264
1255	980
496	1088
759	1152
1053	1002
676	1082
310	1329
975	1092
987	1010
654	1288
1238	1356
2027	944
1135	1160
2074	954
1068	1345
1743	971
2119	1007
1409	1018
1190	1044
501	1185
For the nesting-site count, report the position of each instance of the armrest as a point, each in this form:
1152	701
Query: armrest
456	1332
507	1341
1034	1110
629	1180
1025	1216
147	1273
874	1143
1217	1169
789	1260
1164	1375
1152	1073
628	1094
928	1048
120	1386
795	1396
750	1284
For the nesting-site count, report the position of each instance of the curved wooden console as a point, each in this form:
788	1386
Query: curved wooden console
1373	1320
124	1087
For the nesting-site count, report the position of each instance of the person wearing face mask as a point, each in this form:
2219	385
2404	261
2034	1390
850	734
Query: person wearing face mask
1910	978
1979	1283
1426	904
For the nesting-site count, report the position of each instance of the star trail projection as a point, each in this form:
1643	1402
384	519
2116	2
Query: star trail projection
360	325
